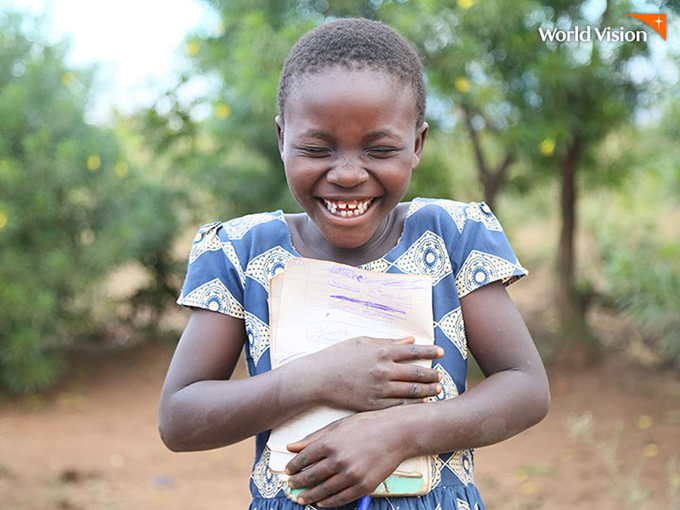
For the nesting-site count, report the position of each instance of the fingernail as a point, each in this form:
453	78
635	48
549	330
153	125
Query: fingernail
439	389
301	501
440	351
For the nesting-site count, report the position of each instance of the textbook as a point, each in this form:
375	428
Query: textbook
314	304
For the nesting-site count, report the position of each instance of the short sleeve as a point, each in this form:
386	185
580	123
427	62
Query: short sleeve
484	254
214	279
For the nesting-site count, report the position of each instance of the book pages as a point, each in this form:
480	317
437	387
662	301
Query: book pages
315	304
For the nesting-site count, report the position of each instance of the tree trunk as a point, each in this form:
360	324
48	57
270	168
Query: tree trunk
580	344
565	256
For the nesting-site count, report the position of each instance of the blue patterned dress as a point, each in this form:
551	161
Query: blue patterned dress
462	246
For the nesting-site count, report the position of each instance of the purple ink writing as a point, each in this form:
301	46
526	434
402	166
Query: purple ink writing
369	304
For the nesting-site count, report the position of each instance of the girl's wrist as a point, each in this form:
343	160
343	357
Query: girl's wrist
405	426
300	382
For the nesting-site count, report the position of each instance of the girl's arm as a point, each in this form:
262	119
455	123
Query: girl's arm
354	455
201	408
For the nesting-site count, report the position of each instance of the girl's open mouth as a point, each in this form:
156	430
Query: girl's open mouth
348	208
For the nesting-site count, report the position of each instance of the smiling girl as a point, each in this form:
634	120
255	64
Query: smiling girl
351	131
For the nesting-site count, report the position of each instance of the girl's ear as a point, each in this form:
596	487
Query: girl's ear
421	134
279	133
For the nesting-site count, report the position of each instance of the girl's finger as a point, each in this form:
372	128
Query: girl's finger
414	373
325	490
413	390
312	476
341	498
412	352
303	459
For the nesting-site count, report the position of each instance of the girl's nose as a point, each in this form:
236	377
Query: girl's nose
347	173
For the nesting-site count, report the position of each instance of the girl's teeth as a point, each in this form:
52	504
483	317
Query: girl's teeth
346	209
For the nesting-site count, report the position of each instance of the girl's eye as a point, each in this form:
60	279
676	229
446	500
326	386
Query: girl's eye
382	152
315	152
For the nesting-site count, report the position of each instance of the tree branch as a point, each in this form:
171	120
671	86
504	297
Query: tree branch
503	167
477	146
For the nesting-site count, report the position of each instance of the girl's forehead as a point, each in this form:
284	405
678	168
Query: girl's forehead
350	115
337	84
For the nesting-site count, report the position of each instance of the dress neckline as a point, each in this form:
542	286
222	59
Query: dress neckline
409	212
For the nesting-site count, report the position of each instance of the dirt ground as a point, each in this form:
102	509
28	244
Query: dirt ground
93	444
610	441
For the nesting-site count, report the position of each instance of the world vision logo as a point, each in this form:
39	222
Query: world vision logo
656	21
606	34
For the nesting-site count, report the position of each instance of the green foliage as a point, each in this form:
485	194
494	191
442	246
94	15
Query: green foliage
637	236
445	170
520	96
646	282
229	161
71	208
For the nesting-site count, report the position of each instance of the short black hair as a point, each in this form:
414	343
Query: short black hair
354	43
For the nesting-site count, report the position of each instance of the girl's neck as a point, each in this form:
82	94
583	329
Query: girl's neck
309	242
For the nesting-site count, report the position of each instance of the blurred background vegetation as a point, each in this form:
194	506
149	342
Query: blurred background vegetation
575	143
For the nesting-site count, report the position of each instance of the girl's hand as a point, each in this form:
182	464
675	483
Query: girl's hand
366	374
343	461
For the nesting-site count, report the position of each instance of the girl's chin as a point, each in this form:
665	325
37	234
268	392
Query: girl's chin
357	238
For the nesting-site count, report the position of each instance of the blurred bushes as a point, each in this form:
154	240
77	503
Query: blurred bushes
71	208
638	238
645	281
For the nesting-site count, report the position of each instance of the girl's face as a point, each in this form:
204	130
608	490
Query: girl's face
349	145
